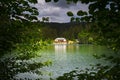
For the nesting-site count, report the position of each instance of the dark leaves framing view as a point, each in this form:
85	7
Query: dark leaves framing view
22	35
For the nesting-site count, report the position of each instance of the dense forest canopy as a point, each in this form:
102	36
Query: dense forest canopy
13	14
68	30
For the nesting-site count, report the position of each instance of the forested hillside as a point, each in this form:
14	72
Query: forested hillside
33	32
67	30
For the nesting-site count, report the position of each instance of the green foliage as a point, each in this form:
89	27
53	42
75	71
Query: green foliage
81	13
77	19
47	0
13	17
72	32
72	19
105	18
20	33
33	1
56	0
69	13
19	10
45	19
9	36
12	66
82	16
83	37
23	40
50	31
75	1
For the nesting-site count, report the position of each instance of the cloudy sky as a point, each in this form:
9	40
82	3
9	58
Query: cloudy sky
57	11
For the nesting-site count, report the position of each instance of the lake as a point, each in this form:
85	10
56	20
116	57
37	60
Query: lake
61	59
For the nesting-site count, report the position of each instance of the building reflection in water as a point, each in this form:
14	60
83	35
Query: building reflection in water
60	52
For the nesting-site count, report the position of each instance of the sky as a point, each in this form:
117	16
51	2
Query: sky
57	11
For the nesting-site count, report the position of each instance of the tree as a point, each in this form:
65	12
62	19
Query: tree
13	14
48	33
105	17
18	10
45	19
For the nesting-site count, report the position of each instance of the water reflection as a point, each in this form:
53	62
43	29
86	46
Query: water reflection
60	52
65	58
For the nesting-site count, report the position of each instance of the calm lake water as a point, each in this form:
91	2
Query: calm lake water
63	59
66	58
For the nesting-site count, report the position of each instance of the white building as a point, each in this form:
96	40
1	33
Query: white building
60	41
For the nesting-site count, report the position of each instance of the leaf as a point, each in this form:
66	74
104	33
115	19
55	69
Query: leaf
92	7
56	0
75	1
25	3
70	13
47	0
77	19
33	1
72	19
86	18
35	12
69	1
81	13
85	1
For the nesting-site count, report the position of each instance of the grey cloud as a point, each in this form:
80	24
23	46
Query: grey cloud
51	14
61	4
57	11
62	19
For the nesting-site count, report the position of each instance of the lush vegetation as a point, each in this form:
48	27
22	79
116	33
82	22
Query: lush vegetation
13	18
104	16
20	32
70	31
20	36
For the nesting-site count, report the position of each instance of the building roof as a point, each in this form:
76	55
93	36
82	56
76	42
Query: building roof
60	39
